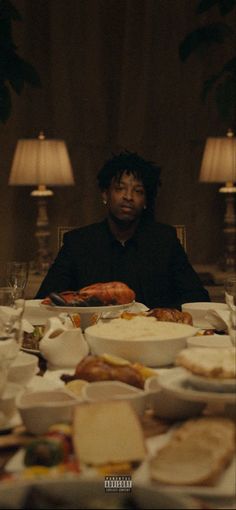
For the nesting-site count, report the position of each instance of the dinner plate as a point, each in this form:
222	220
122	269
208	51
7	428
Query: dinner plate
212	384
86	309
177	382
223	488
79	493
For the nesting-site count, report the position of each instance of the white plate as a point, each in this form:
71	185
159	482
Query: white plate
80	493
86	309
212	384
176	381
224	488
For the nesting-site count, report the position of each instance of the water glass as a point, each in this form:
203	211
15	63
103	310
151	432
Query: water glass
16	277
11	314
230	298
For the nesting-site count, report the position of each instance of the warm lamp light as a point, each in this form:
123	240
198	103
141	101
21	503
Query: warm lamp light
219	165
41	162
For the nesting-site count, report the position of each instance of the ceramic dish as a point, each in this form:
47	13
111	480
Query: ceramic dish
115	390
158	350
176	382
36	314
165	405
218	341
64	493
212	384
40	409
200	309
86	312
23	368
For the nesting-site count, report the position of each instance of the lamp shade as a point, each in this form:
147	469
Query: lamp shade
41	162
219	159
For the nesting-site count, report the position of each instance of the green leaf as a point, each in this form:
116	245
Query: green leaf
204	37
5	104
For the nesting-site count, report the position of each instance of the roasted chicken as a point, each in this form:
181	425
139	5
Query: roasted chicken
98	294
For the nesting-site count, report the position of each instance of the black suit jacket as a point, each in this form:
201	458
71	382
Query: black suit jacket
158	269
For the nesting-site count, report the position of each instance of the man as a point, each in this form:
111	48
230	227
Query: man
128	245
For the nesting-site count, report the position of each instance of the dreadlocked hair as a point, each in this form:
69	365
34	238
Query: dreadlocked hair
131	163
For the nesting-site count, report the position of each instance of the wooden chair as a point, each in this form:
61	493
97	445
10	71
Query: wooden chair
180	230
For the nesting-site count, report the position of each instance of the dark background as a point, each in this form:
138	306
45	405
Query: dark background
112	79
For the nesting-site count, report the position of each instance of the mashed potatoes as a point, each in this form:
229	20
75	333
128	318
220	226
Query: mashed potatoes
140	328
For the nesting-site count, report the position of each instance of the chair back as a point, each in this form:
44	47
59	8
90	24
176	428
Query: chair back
180	230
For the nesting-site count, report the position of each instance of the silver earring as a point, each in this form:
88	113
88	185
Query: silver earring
145	207
104	202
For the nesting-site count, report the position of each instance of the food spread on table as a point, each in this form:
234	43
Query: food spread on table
109	437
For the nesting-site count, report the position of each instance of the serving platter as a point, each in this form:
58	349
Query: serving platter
177	382
223	488
90	494
86	309
211	384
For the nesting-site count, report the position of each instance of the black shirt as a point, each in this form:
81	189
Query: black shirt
153	263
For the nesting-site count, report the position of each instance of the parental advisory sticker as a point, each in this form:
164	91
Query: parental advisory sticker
118	483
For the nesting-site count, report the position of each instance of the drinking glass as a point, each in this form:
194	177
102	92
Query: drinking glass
11	314
230	298
16	277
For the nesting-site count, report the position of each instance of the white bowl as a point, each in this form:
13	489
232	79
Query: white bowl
200	309
158	350
167	406
23	368
41	409
35	313
218	341
115	390
87	313
7	400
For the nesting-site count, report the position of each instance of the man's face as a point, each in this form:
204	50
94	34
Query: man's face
126	198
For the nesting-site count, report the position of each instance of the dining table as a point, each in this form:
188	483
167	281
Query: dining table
15	437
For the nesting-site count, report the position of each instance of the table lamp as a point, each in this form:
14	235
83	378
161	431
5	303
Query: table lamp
41	162
219	165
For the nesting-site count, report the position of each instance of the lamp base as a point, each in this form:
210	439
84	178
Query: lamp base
44	256
228	262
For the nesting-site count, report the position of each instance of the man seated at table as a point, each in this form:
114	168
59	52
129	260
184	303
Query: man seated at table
128	245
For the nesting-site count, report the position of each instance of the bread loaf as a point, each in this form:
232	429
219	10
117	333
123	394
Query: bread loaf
196	454
107	432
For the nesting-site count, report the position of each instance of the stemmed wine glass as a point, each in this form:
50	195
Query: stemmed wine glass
17	277
230	298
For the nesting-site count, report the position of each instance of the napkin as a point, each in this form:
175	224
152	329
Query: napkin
219	319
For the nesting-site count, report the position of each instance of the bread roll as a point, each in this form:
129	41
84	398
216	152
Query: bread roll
107	432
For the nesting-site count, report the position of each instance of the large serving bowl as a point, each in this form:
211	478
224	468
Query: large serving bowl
141	339
199	311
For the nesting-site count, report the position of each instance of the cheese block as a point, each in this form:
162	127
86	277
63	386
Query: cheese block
107	432
196	454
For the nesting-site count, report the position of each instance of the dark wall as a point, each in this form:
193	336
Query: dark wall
112	79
